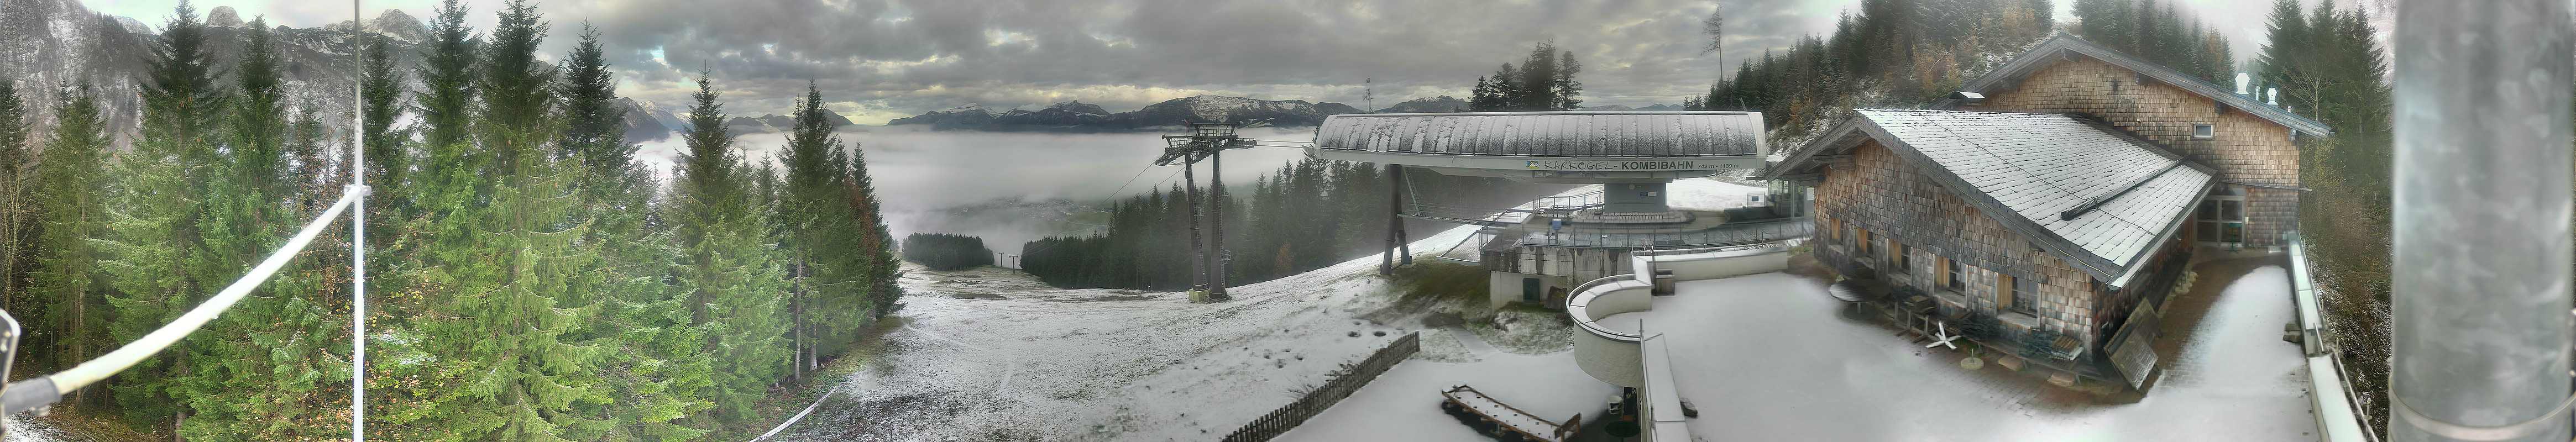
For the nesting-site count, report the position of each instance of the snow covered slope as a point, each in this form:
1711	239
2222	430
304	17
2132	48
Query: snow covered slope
987	354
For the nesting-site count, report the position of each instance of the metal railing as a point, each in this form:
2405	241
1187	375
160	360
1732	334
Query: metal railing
2337	411
1730	234
43	391
1570	203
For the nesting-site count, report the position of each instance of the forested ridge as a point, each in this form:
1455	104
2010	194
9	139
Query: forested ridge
1306	215
528	279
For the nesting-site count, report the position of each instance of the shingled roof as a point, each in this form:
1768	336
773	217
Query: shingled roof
2065	47
2093	195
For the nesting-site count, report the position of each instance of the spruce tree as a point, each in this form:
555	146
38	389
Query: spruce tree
2286	39
423	250
872	259
725	269
71	201
167	205
1538	78
1495	93
275	343
832	235
1544	81
389	155
18	167
447	76
650	367
507	271
1566	93
807	214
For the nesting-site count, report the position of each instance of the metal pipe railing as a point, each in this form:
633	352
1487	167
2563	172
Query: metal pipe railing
45	390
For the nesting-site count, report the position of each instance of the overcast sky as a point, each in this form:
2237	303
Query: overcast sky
884	59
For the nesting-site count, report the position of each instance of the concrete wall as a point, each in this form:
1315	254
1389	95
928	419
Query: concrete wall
1505	287
1633	198
2246	149
1662	397
1713	265
1614	361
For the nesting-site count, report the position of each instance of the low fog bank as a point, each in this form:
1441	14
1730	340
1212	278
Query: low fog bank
1009	187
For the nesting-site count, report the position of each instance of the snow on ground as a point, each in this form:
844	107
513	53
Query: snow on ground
1708	194
1766	357
990	354
1527	332
1404	403
22	429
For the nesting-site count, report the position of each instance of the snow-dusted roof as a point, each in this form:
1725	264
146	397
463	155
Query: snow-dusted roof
2095	196
1585	134
2064	47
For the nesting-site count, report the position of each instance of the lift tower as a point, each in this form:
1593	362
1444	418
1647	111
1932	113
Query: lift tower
1204	142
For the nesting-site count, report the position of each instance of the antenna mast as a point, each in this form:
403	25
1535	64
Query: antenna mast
1368	94
358	225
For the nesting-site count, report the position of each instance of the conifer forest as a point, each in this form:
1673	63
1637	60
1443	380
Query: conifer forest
528	279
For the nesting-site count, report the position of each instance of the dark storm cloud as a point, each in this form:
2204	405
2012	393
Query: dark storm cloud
905	56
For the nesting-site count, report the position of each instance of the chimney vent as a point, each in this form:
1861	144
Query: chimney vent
1964	100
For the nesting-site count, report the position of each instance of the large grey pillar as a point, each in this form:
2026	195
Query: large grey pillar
2481	267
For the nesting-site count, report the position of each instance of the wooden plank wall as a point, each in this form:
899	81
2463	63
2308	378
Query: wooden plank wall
2246	149
1892	200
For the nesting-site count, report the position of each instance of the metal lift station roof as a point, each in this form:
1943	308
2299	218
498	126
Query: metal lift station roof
1575	146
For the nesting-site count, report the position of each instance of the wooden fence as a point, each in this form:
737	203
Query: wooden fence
1341	384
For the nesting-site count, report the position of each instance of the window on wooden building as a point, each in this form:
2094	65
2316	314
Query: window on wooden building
1955	277
2025	296
2204	131
1904	258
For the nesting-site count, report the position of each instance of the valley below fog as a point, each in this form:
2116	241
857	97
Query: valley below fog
1010	187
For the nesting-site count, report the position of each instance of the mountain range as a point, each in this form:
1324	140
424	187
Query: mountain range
45	44
1076	116
48	43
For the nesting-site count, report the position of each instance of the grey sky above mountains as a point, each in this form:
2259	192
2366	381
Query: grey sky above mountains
883	59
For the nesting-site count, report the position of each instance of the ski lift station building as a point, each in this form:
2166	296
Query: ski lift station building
1540	253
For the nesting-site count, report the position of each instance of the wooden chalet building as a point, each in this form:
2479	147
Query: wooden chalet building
2056	192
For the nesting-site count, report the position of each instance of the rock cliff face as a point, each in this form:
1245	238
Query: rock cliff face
641	126
1075	116
46	43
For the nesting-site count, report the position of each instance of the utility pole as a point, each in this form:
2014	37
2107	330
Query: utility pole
1368	94
2482	324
